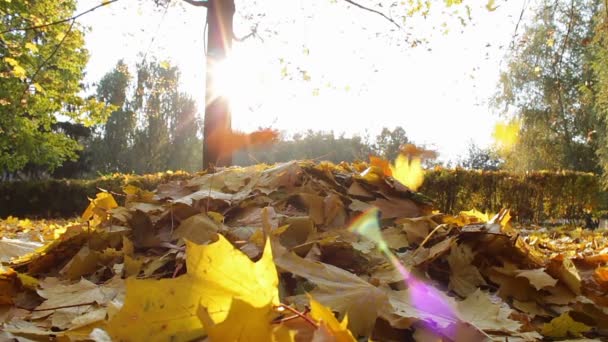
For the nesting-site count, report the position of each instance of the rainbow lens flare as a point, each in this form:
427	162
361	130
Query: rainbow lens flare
424	298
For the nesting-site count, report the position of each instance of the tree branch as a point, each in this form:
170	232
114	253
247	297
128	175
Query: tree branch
373	11
105	3
197	3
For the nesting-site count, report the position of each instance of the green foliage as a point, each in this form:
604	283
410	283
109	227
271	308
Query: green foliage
478	158
155	126
599	50
531	196
388	142
547	83
40	81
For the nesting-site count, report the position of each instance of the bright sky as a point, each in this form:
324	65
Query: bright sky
361	78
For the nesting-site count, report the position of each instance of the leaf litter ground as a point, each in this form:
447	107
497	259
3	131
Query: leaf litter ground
298	251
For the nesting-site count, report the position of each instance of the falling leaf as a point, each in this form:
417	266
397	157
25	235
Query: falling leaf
408	171
491	6
564	326
506	135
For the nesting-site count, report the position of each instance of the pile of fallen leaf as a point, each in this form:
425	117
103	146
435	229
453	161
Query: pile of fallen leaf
269	253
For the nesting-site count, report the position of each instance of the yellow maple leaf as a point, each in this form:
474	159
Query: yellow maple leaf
246	322
99	206
218	274
564	325
323	315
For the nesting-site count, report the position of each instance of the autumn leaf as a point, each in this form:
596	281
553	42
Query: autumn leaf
217	275
538	278
340	290
245	322
479	310
564	326
506	135
99	206
13	248
408	171
329	325
465	277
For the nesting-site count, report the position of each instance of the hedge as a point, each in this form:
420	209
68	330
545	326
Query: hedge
69	197
533	196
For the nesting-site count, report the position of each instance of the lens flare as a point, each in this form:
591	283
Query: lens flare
424	298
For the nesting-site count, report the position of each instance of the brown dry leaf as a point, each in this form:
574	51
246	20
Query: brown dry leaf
395	238
315	206
357	190
423	302
394	207
478	309
340	290
538	278
199	229
359	206
416	229
465	277
564	269
335	215
76	305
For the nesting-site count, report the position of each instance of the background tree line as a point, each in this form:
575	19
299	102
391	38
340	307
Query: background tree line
555	84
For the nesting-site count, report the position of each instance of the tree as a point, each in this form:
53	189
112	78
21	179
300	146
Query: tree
478	158
547	85
311	144
154	126
388	142
43	60
599	51
115	137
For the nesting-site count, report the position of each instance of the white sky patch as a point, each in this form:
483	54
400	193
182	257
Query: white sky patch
360	80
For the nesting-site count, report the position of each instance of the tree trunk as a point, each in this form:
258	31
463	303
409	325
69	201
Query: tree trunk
217	124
